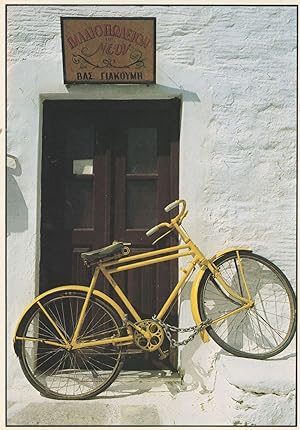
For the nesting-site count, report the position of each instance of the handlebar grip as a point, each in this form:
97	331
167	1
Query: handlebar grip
172	205
152	231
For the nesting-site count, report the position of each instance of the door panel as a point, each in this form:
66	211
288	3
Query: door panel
108	170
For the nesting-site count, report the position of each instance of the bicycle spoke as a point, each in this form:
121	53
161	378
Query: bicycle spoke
96	369
256	323
231	324
93	368
45	362
98	333
83	334
75	373
62	360
47	331
72	317
268	325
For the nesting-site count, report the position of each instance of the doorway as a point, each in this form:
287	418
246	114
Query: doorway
108	170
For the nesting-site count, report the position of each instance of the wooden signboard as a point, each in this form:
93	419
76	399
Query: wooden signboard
108	50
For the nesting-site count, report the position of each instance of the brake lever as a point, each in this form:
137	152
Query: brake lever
162	236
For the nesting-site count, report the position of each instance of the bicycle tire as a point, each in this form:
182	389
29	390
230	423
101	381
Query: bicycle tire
70	375
249	333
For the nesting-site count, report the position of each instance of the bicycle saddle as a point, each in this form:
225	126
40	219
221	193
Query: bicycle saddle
99	254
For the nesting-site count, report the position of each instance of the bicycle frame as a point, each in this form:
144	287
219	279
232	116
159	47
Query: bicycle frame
155	257
71	339
187	249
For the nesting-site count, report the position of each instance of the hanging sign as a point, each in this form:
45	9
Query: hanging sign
108	50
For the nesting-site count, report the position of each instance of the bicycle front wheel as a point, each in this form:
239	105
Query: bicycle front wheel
76	374
265	329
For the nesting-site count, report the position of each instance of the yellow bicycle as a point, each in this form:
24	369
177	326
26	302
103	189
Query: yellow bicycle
71	340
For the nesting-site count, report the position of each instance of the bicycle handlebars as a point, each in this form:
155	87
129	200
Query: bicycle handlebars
171	206
152	230
175	220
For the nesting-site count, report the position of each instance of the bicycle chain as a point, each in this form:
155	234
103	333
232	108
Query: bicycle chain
170	328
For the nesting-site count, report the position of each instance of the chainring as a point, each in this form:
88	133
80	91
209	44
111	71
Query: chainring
154	331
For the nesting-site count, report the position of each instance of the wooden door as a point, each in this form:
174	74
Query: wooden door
108	170
145	180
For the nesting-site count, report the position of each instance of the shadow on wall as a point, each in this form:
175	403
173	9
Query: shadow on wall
161	90
197	358
17	212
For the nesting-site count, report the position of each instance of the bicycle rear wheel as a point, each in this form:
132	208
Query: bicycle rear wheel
261	331
78	374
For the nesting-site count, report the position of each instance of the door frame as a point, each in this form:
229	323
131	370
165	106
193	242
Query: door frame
174	148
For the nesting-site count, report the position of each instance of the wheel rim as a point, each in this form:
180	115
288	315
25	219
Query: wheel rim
76	373
262	330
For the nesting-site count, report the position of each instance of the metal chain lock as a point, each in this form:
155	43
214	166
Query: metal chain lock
170	328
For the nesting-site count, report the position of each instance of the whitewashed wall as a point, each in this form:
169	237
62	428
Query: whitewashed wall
235	69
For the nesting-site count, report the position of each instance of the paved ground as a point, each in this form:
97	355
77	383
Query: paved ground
136	398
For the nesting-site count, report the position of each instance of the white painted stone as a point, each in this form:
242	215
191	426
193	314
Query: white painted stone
273	376
255	392
267	410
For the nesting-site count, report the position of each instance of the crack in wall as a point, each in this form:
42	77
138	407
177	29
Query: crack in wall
260	393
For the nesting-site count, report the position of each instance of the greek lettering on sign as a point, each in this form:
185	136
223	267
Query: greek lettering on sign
109	50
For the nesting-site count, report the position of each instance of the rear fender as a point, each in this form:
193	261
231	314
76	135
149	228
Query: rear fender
195	288
80	288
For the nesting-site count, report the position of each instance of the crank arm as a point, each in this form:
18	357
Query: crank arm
140	330
163	354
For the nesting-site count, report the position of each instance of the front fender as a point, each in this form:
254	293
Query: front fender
195	306
195	288
227	250
81	288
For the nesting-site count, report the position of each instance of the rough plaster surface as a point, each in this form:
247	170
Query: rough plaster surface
136	398
256	393
235	70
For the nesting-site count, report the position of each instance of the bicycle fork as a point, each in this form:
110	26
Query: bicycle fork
246	302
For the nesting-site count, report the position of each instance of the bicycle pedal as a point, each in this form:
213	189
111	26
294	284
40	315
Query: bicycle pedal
163	354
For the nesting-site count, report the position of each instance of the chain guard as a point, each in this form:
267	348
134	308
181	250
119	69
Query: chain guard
154	330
